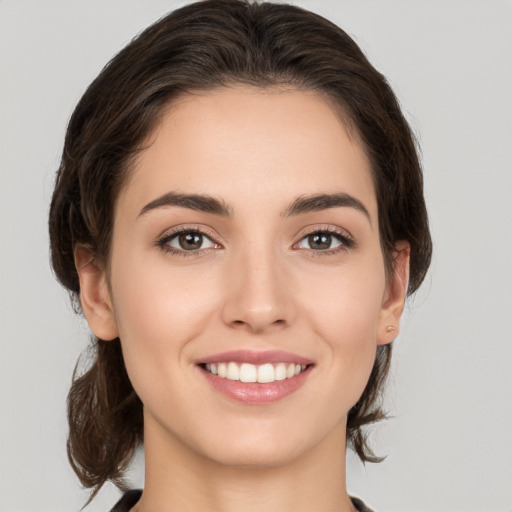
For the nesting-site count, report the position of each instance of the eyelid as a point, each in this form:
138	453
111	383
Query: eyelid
323	228
180	228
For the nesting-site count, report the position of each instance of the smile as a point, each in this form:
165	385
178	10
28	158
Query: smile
263	373
256	378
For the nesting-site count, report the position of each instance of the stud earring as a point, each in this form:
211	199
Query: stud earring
390	328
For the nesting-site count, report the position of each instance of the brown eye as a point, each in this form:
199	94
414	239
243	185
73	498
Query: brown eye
190	241
320	241
187	241
324	241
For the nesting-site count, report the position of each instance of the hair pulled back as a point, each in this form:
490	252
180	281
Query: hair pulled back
209	44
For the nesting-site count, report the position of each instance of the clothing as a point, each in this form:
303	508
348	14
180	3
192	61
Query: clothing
130	498
127	501
360	506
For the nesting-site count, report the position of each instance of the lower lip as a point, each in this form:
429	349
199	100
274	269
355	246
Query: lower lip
256	393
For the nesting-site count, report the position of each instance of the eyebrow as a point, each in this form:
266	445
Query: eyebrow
319	202
302	204
199	202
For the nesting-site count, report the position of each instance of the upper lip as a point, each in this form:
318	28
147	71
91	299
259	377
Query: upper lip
256	357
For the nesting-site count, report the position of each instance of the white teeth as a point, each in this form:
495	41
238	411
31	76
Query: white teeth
233	372
263	373
280	371
248	373
221	369
266	373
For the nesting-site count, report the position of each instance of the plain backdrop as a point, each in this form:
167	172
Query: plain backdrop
449	443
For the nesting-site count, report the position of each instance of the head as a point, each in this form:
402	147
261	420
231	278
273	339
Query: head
198	51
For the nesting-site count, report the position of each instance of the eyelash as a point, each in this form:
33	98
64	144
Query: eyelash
346	242
163	242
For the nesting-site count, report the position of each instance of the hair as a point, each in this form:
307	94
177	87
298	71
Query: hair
199	47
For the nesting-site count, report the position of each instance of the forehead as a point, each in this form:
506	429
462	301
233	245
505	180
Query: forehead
240	142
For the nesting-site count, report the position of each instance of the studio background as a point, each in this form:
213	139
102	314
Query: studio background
449	442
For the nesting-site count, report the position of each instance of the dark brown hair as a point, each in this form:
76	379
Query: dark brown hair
202	46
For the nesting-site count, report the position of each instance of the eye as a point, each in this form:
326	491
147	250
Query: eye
186	241
324	241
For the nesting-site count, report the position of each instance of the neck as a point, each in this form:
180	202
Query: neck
181	480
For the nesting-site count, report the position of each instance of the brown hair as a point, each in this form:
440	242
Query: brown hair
205	45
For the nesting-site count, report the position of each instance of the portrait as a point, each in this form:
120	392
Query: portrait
282	235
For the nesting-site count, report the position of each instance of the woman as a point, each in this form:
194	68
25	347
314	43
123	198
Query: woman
239	214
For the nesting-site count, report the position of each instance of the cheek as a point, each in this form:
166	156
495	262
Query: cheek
345	302
158	311
344	313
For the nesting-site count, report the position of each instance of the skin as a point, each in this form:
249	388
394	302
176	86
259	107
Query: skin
257	285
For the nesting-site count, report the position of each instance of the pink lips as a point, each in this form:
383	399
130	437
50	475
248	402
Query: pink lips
256	393
254	357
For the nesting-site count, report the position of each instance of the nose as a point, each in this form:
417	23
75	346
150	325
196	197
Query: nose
257	294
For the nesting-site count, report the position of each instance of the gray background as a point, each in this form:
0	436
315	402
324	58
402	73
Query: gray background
449	444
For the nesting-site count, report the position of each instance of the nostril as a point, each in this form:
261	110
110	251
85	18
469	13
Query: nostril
253	324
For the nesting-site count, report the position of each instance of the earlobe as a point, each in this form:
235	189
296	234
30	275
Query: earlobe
396	293
94	294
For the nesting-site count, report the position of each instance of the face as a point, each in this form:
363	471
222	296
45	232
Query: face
246	279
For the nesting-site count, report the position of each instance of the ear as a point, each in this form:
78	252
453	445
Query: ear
394	298
94	294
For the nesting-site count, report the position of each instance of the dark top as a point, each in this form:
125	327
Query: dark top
130	498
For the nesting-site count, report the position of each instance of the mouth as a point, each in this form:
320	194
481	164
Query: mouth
256	377
262	373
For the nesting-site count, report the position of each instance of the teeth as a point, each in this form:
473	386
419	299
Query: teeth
280	371
263	373
233	372
248	373
266	373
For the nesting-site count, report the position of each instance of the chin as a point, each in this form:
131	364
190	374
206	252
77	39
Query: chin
262	444
256	455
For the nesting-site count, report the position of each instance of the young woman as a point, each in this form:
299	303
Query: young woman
239	214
